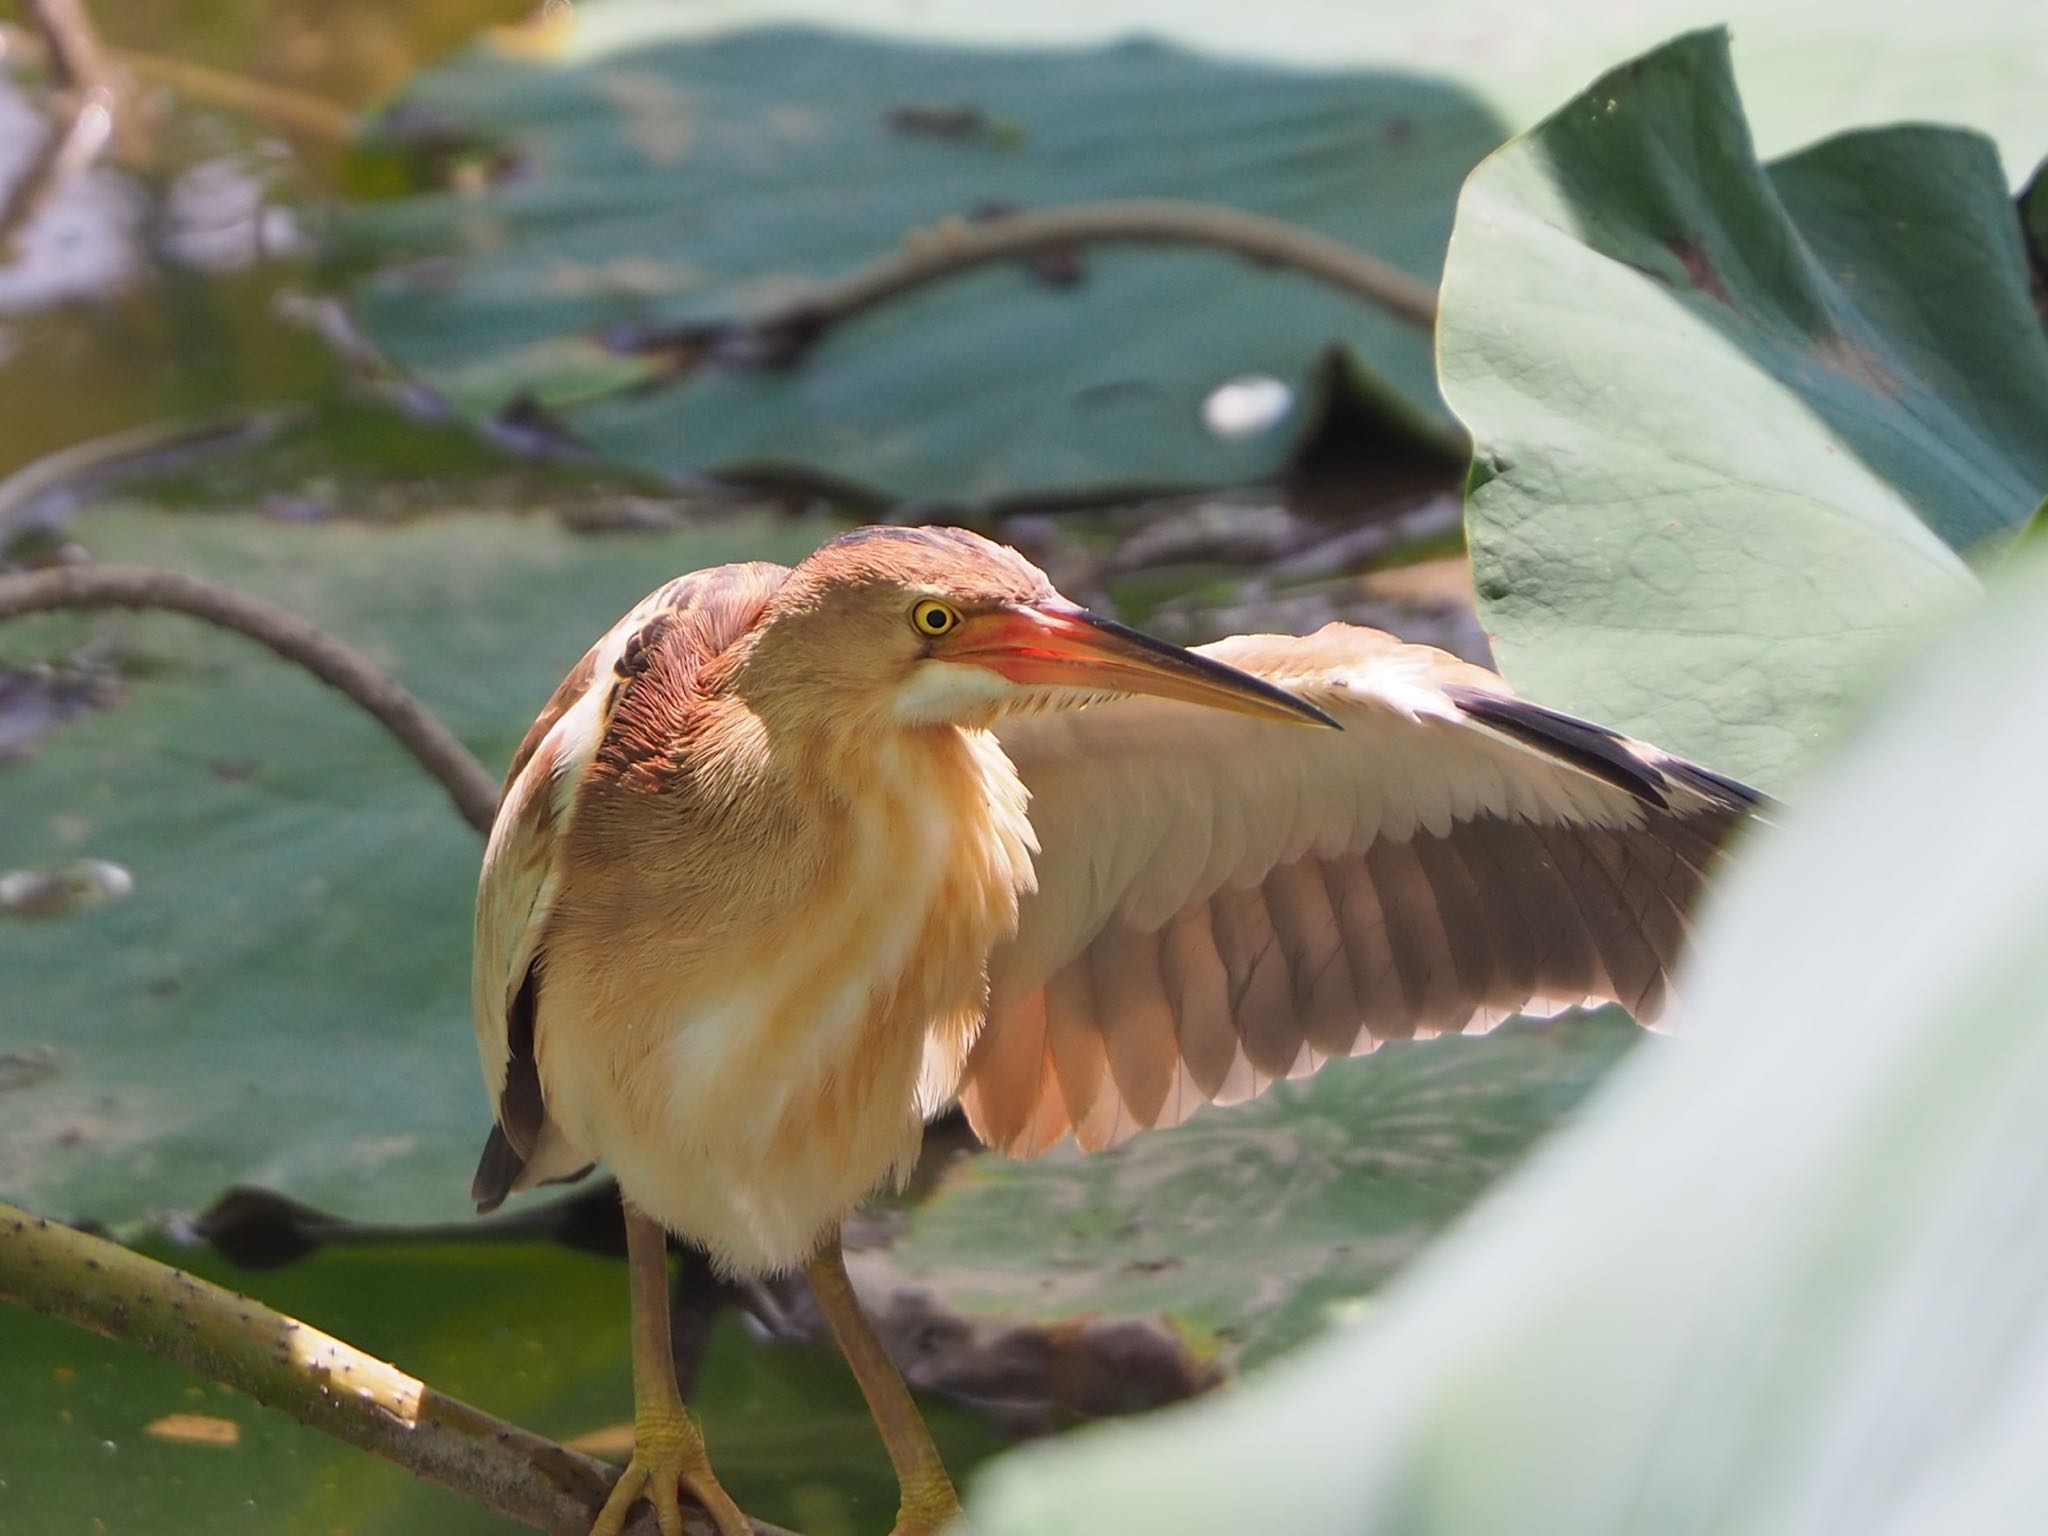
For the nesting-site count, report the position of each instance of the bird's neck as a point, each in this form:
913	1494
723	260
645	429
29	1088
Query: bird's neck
958	785
957	775
821	784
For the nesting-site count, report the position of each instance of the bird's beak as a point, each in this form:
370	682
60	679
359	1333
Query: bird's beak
1073	648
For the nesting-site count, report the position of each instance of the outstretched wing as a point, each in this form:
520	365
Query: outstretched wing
1224	902
523	858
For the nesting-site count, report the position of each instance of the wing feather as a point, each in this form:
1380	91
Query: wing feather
1199	986
522	868
1319	976
1144	1059
1223	903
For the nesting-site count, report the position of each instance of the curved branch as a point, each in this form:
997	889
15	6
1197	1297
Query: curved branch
956	246
339	666
316	1378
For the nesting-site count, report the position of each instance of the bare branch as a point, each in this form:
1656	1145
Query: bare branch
316	1378
76	57
339	666
83	124
290	110
83	115
957	246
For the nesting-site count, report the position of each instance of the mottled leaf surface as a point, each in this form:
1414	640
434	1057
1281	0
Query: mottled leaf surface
1249	1228
660	180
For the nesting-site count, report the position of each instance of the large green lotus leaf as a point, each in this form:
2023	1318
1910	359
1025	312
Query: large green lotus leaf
283	1001
1737	428
661	180
669	163
1249	1228
532	1333
1791	1276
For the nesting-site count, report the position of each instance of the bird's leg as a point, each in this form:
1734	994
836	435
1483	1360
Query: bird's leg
668	1448
928	1501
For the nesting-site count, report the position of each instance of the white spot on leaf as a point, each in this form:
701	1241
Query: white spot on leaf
1247	406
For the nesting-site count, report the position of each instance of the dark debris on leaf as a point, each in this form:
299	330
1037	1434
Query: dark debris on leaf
2033	208
1057	266
30	1065
679	350
36	700
955	124
529	428
419	149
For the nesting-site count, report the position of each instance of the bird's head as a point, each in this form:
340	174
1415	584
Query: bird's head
939	626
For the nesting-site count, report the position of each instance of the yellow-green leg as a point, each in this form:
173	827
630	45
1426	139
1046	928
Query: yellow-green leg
928	1504
668	1448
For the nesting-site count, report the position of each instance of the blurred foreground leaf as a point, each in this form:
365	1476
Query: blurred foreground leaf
1789	1277
1737	428
532	1333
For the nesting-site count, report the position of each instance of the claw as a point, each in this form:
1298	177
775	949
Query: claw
668	1510
662	1468
611	1520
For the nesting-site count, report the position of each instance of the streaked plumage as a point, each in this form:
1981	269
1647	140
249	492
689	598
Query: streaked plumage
778	874
1221	905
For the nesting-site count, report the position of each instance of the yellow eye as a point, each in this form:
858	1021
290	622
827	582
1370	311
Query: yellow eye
932	618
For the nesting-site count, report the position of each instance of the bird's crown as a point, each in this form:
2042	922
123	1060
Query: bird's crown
952	560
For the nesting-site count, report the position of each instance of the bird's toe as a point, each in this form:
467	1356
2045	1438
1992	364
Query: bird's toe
665	1468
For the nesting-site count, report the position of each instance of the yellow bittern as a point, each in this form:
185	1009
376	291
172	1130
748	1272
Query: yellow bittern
796	858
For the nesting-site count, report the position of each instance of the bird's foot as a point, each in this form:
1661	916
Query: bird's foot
928	1509
668	1461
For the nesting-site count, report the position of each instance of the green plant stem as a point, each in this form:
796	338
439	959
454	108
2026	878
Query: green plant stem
312	1376
956	246
416	728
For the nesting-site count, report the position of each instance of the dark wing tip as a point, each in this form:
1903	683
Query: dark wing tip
496	1172
1606	755
1590	748
1733	794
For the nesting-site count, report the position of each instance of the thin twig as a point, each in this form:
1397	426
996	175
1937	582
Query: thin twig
956	246
316	1378
291	110
43	489
83	114
76	57
339	666
79	130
